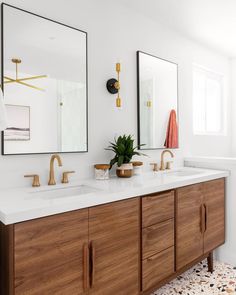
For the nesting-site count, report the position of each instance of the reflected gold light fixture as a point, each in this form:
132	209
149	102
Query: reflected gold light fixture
149	103
113	86
21	81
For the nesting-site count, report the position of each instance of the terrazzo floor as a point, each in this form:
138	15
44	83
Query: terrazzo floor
199	281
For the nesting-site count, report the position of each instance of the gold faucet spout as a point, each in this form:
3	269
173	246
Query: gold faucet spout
162	158
52	172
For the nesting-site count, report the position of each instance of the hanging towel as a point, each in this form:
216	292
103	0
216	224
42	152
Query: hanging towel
3	113
172	132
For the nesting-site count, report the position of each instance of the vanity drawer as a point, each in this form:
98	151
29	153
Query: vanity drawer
157	208
157	267
157	238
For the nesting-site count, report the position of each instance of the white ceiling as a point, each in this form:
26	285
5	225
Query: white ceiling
210	22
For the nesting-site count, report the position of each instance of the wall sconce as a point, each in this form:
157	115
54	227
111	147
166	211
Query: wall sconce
113	86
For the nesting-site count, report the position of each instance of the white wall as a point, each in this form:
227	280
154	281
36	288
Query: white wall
233	89
114	34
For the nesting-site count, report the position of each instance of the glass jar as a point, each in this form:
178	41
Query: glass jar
102	171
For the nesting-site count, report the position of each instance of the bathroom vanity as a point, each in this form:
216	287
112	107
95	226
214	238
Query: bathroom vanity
127	237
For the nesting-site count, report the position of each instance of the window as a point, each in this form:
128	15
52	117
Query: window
208	102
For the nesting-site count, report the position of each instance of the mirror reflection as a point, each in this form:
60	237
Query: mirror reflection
157	102
45	84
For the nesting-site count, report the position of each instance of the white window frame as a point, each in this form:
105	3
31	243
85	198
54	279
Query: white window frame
221	78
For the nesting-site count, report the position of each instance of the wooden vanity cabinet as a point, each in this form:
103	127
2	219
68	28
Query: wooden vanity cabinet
48	255
127	247
200	220
158	251
214	200
88	251
114	237
189	235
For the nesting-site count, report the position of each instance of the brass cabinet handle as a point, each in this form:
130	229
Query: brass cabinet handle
203	218
92	264
154	257
206	217
86	266
65	178
36	181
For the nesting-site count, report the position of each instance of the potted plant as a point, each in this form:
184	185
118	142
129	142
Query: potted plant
124	150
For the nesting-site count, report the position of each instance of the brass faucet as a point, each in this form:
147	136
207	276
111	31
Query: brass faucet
51	173
162	158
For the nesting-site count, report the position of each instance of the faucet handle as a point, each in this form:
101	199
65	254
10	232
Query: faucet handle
36	181
168	165
155	167
65	178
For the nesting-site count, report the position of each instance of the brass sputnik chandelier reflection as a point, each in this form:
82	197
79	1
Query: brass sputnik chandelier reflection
21	81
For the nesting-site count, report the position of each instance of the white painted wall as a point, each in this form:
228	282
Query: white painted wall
114	34
233	91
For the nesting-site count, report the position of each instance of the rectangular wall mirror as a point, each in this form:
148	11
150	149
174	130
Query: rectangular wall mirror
44	79
157	100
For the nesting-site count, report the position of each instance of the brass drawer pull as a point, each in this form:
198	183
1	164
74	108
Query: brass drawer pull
160	225
92	264
203	218
86	266
206	217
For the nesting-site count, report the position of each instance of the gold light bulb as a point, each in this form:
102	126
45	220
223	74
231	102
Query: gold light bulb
118	102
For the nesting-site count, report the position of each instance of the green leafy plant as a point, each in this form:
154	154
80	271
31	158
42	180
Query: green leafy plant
124	150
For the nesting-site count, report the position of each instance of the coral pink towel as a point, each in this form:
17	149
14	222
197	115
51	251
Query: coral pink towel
172	132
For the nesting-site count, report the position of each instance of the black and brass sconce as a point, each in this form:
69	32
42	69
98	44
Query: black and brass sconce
113	86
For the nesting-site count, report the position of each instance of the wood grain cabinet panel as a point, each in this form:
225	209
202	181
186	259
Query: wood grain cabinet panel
96	251
157	208
114	233
157	268
49	254
214	200
157	238
189	238
200	220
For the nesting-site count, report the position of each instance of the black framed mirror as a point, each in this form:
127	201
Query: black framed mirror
157	82
45	85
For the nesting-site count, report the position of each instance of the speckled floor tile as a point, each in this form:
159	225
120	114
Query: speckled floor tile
199	281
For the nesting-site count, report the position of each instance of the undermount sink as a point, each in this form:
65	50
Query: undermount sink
187	173
63	192
184	173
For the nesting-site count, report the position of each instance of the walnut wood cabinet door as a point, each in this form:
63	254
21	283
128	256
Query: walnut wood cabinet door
214	202
189	227
50	255
114	243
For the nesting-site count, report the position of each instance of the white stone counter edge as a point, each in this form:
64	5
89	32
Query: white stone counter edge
14	210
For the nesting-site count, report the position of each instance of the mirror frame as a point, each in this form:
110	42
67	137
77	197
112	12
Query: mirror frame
2	74
138	99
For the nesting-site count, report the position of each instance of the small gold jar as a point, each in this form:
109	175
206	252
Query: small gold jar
102	171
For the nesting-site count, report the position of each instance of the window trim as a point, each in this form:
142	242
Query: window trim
221	79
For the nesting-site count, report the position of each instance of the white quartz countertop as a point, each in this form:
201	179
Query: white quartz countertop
17	205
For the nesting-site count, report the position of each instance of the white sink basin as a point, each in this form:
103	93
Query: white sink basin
187	173
63	192
184	172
